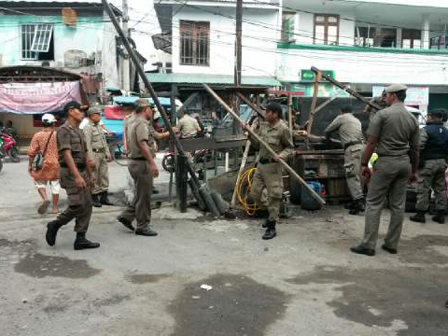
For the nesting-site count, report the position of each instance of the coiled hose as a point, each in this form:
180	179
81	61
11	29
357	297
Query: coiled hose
243	190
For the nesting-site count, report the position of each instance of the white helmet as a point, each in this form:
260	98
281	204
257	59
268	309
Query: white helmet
48	119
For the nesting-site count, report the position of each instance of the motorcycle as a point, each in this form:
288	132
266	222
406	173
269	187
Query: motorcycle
8	147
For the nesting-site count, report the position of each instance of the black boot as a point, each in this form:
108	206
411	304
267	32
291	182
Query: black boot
358	206
146	232
82	243
360	249
419	217
349	206
104	199
440	217
96	202
270	231
52	231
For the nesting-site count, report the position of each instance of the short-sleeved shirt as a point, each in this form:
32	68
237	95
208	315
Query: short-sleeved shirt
396	129
95	138
188	127
348	127
127	123
277	137
138	132
71	138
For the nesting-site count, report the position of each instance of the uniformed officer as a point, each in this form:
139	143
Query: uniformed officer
129	109
275	133
98	152
143	169
380	101
350	132
431	173
75	178
394	133
188	126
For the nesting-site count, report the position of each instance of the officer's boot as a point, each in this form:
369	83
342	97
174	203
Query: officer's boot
52	231
270	231
440	217
96	201
82	243
104	199
358	206
419	217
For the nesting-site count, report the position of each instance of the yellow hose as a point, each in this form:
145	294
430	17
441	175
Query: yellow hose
243	189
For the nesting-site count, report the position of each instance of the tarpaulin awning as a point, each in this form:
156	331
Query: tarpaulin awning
38	97
131	100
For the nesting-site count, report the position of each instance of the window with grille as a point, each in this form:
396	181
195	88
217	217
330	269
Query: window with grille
37	42
194	43
326	29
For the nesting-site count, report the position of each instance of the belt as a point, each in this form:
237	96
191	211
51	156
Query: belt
348	144
98	150
138	159
266	161
78	165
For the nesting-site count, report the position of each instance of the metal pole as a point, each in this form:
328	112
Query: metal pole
265	145
148	85
239	49
126	66
317	80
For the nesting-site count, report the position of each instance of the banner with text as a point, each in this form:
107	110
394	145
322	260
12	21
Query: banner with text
37	98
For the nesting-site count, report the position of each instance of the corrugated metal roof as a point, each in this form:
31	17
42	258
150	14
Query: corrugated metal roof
211	79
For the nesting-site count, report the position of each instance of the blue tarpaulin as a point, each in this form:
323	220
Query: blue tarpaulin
131	100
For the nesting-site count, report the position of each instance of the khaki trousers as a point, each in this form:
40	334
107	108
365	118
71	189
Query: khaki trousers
268	176
100	173
352	166
140	207
79	202
431	176
390	178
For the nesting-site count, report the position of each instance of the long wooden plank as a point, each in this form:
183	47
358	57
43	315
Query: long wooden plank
264	144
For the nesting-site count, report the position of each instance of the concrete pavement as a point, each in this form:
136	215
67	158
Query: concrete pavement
304	282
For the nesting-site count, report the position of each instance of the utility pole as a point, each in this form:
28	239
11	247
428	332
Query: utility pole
126	78
239	32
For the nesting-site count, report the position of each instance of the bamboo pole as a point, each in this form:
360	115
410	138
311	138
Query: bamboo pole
264	144
317	80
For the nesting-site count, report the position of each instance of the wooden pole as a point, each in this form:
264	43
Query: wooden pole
317	80
254	107
345	88
264	144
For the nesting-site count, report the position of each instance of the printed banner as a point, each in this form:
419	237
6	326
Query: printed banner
37	98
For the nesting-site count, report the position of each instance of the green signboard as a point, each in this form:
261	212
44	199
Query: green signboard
309	75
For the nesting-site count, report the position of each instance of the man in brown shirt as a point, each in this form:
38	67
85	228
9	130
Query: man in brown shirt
75	178
143	170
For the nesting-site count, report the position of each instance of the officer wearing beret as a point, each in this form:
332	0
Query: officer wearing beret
394	134
98	152
431	173
75	178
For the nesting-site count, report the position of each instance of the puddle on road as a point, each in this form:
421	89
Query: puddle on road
140	279
38	265
236	305
378	297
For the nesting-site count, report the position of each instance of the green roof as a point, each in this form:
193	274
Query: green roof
210	79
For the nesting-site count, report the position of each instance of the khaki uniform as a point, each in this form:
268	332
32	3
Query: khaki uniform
79	200
269	172
350	132
397	132
127	124
140	207
431	176
372	111
188	127
97	150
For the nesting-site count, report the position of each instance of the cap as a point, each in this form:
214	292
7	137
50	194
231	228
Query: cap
72	105
48	118
93	110
395	88
142	102
438	113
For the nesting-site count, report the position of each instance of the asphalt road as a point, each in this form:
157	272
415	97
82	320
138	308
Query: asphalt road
304	282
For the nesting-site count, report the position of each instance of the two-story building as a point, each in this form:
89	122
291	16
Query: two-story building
366	43
369	44
59	37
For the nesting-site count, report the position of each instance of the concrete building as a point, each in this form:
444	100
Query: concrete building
369	44
200	37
